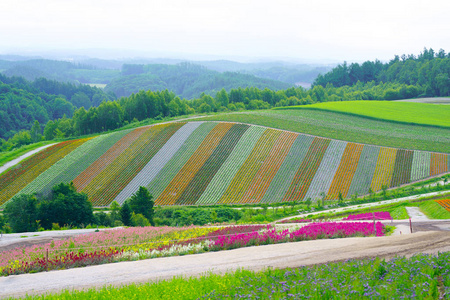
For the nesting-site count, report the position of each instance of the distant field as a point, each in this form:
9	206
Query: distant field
434	100
405	112
347	128
99	85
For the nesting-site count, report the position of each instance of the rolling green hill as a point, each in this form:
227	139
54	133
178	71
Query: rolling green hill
184	79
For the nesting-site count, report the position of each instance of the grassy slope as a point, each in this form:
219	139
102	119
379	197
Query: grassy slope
347	127
405	112
13	154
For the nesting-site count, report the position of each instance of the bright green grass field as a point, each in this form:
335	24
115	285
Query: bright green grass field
405	112
346	127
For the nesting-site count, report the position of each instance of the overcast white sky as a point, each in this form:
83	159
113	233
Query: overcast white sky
349	30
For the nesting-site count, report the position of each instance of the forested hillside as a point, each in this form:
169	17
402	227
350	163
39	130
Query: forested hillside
429	71
22	102
62	71
185	79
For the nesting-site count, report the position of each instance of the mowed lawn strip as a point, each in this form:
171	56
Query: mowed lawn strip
230	167
207	171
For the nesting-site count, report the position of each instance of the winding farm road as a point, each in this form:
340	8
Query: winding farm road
254	258
13	162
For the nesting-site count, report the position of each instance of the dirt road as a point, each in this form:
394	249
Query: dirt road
254	258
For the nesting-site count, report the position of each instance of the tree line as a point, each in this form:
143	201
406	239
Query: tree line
430	70
110	115
64	207
22	102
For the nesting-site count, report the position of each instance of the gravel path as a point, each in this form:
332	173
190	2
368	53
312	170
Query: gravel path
254	258
415	213
13	162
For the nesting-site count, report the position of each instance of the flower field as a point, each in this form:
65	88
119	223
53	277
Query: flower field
218	162
149	242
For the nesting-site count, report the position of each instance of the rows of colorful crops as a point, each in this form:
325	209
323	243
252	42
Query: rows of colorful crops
147	242
174	165
212	162
82	180
207	171
329	165
445	203
154	166
179	183
219	183
241	181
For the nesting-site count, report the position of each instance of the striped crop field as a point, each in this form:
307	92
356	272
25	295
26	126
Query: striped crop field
203	162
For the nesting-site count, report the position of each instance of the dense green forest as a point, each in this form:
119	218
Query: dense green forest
62	71
185	79
430	70
22	102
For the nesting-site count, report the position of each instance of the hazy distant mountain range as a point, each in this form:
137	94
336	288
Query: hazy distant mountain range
186	79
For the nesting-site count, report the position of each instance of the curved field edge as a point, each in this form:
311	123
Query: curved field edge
343	127
399	112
